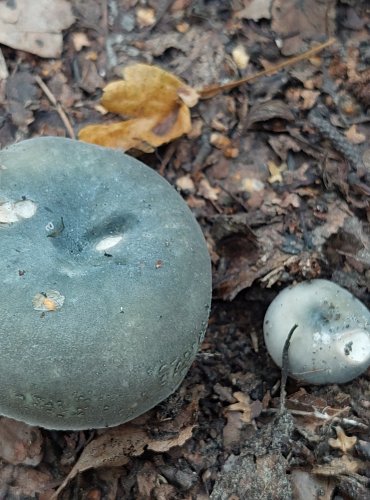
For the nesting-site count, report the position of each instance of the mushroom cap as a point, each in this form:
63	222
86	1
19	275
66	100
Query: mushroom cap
105	285
332	341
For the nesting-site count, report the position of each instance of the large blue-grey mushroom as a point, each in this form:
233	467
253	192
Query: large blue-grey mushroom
105	285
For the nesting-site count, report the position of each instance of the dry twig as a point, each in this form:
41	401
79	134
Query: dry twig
58	107
212	90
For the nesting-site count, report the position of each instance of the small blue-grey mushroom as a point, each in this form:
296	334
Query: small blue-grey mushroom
105	285
331	343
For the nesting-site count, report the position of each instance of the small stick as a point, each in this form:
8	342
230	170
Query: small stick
319	415
212	90
285	368
57	105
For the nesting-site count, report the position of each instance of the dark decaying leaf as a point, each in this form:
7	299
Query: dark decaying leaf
115	447
262	112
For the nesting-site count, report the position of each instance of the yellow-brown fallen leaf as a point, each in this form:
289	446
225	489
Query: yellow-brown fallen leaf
156	103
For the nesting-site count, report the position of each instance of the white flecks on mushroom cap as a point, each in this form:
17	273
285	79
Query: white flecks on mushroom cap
355	346
7	213
15	211
332	341
25	209
51	300
108	242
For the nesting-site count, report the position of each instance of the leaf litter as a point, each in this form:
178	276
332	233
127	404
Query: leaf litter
262	235
117	446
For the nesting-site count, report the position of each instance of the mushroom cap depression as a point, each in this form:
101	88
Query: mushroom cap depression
331	344
105	285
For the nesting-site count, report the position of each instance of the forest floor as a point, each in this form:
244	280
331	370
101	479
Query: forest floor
277	173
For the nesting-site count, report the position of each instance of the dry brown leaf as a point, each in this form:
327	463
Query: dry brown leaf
246	256
188	95
238	414
207	191
334	222
256	10
20	443
264	111
145	17
220	141
309	98
25	482
276	171
302	400
115	447
290	200
185	184
306	486
146	480
354	136
131	134
342	465
296	21
225	144
243	406
311	412
231	434
112	449
251	185
166	444
80	40
343	442
35	26
156	103
282	144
